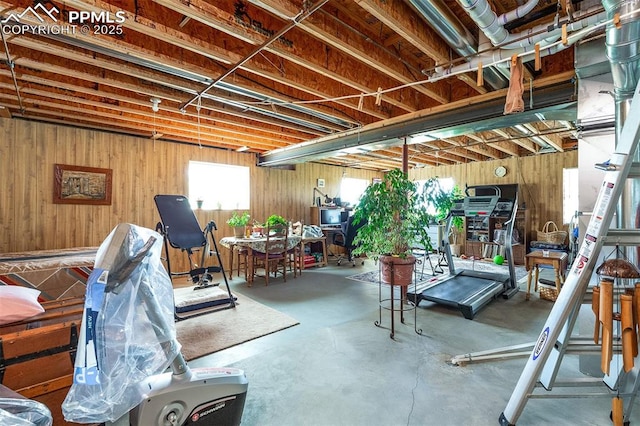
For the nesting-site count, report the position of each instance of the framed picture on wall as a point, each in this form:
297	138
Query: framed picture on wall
81	185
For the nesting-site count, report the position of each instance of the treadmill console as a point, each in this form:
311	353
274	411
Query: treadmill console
480	206
483	206
504	207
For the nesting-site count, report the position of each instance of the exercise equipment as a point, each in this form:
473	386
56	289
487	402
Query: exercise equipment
129	341
181	230
470	290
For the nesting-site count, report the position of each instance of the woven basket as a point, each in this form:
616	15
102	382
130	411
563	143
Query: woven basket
548	292
551	234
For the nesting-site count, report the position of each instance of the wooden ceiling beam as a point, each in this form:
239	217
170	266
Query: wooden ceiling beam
552	139
501	145
401	19
459	148
420	158
157	30
141	128
521	141
23	62
371	55
152	77
398	16
535	133
444	145
324	28
98	123
221	20
133	116
218	19
479	146
178	62
484	150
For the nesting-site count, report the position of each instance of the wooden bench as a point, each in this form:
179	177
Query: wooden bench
37	355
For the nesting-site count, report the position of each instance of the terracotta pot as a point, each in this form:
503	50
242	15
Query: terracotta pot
396	270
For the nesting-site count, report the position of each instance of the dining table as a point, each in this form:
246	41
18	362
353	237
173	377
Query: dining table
257	243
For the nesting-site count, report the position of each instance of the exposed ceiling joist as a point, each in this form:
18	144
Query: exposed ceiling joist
344	84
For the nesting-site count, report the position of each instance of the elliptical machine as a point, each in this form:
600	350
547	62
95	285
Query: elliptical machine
128	342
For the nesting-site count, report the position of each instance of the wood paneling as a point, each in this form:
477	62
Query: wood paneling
141	168
539	178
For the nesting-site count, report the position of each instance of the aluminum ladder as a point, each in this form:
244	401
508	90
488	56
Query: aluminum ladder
554	340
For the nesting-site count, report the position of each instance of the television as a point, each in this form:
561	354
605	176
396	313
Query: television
330	217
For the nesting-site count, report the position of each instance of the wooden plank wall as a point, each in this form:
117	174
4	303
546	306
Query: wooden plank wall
141	169
539	178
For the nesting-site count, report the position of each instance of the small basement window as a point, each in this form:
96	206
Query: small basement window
351	189
219	186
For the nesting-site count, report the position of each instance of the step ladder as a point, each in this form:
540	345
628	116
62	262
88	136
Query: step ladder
555	340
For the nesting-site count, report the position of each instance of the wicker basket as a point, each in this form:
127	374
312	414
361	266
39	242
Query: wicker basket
551	234
548	292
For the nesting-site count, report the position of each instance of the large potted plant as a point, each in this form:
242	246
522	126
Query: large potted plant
238	222
395	219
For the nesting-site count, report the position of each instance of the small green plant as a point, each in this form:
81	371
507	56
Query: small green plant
275	220
238	220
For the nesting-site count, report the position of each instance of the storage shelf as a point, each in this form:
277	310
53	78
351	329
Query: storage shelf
486	226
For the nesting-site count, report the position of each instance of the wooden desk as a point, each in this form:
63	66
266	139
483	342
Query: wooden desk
305	241
558	260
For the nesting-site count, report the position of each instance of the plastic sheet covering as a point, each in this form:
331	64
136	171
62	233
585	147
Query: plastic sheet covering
127	332
24	412
311	231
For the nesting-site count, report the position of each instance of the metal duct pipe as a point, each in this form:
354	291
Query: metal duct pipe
492	26
579	28
623	52
623	45
489	23
456	35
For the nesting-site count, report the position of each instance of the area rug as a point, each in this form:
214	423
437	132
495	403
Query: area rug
213	332
477	265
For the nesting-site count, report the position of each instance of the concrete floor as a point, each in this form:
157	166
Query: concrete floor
337	368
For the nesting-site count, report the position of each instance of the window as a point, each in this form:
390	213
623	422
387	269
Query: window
351	189
570	194
446	185
219	186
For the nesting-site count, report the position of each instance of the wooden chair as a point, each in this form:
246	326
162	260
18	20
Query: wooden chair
275	257
296	254
243	261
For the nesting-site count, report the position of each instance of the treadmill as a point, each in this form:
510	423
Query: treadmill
470	290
